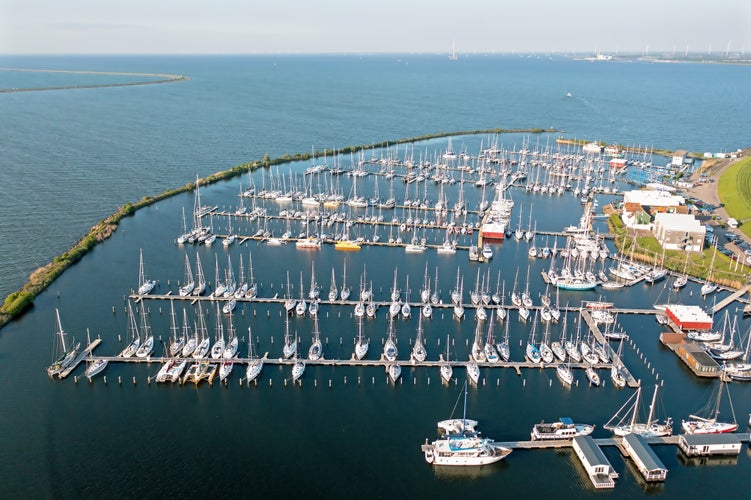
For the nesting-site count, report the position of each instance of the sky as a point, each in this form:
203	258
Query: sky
375	26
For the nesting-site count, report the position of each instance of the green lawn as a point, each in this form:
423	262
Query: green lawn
734	190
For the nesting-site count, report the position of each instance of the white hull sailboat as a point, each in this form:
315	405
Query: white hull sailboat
390	352
135	338
255	364
361	344
711	425
63	355
315	352
446	369
418	349
145	286
626	423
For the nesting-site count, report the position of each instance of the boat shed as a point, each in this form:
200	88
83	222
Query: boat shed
689	317
702	445
600	472
650	466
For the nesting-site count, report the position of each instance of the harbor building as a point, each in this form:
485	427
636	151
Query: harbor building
642	205
675	231
688	317
702	445
649	465
599	469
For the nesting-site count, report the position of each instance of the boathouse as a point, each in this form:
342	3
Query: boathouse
689	317
600	472
649	465
702	445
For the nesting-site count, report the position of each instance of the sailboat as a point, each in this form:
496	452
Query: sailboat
532	352
333	291
145	286
504	350
418	350
290	343
460	444
299	367
135	337
289	302
147	343
345	291
189	284
230	347
315	352
94	366
478	352
473	371
200	286
255	364
627	422
252	291
615	372
709	287
362	343
177	342
446	369
491	355
218	348
63	355
390	351
202	336
546	353
395	371
191	342
565	374
710	425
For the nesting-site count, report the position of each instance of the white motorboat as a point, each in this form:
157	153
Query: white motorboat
460	444
565	428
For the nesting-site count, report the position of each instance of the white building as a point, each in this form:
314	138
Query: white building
679	232
648	201
653	198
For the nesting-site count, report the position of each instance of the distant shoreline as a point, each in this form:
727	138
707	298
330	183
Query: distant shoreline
163	78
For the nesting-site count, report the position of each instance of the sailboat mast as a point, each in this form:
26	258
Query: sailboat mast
652	407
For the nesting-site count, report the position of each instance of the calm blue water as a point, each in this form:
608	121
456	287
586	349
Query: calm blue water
72	156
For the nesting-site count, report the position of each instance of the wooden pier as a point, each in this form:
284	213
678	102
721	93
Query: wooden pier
567	443
617	361
353	361
719	306
81	356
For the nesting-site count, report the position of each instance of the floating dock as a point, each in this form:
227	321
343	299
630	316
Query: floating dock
81	356
617	361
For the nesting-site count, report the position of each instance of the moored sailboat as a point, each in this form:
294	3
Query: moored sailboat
711	425
63	353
